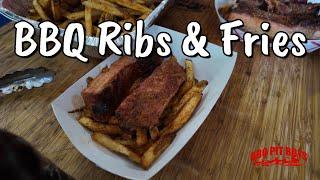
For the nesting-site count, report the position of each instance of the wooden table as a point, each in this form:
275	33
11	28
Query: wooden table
268	101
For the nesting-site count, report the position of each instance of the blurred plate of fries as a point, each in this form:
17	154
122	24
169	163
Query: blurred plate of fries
216	70
88	12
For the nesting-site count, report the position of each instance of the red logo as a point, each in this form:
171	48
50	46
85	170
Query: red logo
278	155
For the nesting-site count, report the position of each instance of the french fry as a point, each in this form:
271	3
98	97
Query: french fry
154	133
45	4
141	149
88	21
131	20
184	95
189	72
95	29
114	121
131	12
101	19
144	16
197	89
142	137
183	116
72	2
65	24
126	136
112	145
108	17
200	86
126	142
99	127
103	7
40	10
87	113
190	79
74	15
131	5
55	7
143	2
155	150
177	106
35	17
116	10
185	88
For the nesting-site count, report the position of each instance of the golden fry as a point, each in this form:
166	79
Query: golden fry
131	5
131	20
65	24
112	145
40	10
126	142
190	80
74	15
184	94
35	17
155	150
189	72
142	137
140	1
131	12
197	89
144	16
103	7
154	133
45	4
55	8
114	121
200	86
99	127
126	136
88	21
183	116
101	19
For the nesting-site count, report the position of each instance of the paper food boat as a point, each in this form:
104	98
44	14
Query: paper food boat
16	10
311	45
216	69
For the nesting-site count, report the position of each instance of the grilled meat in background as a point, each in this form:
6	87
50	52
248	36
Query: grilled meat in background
289	16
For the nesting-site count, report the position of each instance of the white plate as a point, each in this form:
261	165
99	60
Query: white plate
216	70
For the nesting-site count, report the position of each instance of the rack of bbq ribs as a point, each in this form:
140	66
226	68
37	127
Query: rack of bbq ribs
283	15
136	106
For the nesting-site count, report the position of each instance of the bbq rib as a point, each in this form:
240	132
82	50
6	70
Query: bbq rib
288	17
145	105
104	94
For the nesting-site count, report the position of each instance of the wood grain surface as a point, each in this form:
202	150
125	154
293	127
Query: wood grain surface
268	101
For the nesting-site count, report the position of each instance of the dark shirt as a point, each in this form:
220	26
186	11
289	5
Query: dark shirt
3	20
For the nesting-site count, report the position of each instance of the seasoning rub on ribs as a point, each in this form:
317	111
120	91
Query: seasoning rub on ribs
145	105
104	94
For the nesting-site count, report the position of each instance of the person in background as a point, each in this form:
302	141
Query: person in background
19	161
3	20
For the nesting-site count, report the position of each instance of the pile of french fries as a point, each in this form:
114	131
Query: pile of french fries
144	146
91	12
